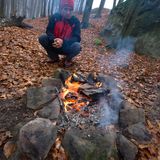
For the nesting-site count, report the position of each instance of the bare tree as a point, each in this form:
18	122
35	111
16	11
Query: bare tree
1	8
28	8
86	15
81	7
114	4
76	5
120	1
101	6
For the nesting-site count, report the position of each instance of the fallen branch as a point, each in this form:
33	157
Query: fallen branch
14	21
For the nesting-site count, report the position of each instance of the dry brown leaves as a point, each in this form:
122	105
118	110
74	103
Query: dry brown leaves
152	150
22	61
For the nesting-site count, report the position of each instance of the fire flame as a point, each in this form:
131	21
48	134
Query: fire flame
70	96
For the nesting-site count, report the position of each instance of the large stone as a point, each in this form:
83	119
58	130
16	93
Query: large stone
91	145
108	81
126	105
138	21
127	149
129	117
52	82
36	138
138	132
16	129
50	111
61	74
76	147
105	145
148	43
37	97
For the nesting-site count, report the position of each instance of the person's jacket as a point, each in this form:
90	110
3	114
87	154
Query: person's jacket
68	30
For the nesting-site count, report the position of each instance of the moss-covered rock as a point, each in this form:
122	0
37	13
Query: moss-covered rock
137	19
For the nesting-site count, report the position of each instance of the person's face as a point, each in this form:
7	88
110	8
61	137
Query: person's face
66	12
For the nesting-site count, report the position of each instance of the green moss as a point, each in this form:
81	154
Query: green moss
98	42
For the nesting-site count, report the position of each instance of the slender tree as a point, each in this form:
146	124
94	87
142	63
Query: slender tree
101	6
76	5
1	8
86	15
120	1
114	4
80	11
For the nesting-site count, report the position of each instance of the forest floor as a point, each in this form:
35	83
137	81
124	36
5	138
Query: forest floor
23	63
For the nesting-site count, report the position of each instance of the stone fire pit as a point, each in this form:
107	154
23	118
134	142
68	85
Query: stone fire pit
103	127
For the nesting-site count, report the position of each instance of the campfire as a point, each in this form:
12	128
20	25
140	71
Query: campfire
81	119
71	97
81	100
78	93
84	101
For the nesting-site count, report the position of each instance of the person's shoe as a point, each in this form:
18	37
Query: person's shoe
68	63
53	60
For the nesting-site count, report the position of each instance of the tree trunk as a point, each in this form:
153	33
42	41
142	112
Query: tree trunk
119	2
76	5
81	7
86	15
1	8
101	6
114	4
128	19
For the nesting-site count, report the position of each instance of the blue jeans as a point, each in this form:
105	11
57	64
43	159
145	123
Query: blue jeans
53	53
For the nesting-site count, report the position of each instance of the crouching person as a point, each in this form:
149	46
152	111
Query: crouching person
62	34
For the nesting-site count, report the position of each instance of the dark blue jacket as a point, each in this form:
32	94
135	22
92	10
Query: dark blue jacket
68	30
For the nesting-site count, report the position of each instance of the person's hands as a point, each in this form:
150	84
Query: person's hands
57	43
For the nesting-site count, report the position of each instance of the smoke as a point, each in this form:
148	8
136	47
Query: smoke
123	52
110	107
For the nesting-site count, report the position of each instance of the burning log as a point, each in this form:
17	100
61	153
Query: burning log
93	92
78	78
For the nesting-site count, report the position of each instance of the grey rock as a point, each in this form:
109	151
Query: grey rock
16	155
36	138
105	145
16	129
128	117
50	111
148	43
127	149
138	132
61	74
52	82
90	145
126	105
138	21
108	81
36	97
76	147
